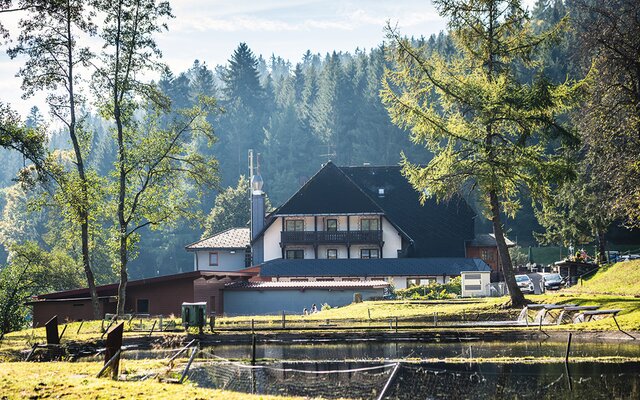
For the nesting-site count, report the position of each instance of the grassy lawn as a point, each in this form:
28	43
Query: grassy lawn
19	380
622	278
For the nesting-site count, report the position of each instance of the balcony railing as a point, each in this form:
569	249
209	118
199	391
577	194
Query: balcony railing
340	237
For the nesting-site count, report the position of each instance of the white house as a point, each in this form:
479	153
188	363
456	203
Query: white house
225	251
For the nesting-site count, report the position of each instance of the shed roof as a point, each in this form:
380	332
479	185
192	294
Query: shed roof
307	285
233	238
111	289
383	267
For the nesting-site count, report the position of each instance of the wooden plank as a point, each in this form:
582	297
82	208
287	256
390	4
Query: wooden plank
602	312
113	347
52	331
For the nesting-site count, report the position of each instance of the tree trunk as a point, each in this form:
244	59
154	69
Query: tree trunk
82	209
517	298
602	244
124	277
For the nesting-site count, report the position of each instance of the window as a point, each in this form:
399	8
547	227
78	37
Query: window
486	255
325	280
420	281
294	254
213	259
369	253
294	225
351	279
332	225
332	253
142	306
370	224
411	282
299	280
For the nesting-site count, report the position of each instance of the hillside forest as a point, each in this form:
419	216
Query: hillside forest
297	114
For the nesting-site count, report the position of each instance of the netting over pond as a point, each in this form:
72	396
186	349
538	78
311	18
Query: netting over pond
490	380
326	380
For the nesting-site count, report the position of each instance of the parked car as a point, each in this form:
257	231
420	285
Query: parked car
525	284
553	281
628	257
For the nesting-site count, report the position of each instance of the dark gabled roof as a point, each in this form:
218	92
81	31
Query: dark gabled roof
233	238
487	240
433	229
436	229
383	267
329	191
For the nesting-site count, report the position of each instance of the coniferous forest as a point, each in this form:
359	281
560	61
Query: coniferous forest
298	114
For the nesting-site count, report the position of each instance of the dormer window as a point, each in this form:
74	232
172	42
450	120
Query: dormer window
332	225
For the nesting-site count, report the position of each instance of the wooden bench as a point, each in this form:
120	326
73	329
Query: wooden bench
589	314
573	309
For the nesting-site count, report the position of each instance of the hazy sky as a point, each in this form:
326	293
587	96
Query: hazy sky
211	30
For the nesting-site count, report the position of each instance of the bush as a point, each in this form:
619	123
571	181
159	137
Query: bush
325	306
435	291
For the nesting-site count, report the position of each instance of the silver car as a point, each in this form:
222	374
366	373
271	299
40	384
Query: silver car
524	284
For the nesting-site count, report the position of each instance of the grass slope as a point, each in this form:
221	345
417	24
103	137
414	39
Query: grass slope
622	278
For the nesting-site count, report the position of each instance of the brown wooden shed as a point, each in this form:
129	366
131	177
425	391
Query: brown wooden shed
162	295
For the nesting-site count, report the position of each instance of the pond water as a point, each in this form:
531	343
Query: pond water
440	380
474	370
369	350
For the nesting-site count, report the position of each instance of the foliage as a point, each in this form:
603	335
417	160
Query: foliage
31	271
488	131
609	38
518	256
434	291
232	209
30	142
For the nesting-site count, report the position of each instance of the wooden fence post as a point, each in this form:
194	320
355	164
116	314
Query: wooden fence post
113	348
52	330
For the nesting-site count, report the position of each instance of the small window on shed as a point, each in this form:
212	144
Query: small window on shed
213	259
142	306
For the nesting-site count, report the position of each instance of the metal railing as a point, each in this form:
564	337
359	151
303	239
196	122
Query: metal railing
344	237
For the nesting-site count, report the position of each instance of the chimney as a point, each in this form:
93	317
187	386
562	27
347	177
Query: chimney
257	209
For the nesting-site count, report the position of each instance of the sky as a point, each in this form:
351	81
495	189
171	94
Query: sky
210	30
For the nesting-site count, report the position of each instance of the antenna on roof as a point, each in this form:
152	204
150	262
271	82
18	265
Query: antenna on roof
330	153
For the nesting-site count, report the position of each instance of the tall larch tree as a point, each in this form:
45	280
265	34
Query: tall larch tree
488	132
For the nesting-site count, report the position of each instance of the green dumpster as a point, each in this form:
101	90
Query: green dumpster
193	314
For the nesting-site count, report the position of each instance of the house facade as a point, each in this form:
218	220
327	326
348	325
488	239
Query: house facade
362	212
225	251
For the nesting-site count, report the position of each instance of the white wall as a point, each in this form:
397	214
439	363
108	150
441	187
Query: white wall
391	237
392	240
272	241
226	260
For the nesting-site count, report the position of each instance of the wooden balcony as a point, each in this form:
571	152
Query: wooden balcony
330	237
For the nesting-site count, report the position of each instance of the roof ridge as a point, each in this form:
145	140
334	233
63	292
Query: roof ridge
215	234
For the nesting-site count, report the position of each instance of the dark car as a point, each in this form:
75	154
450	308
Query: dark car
553	281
